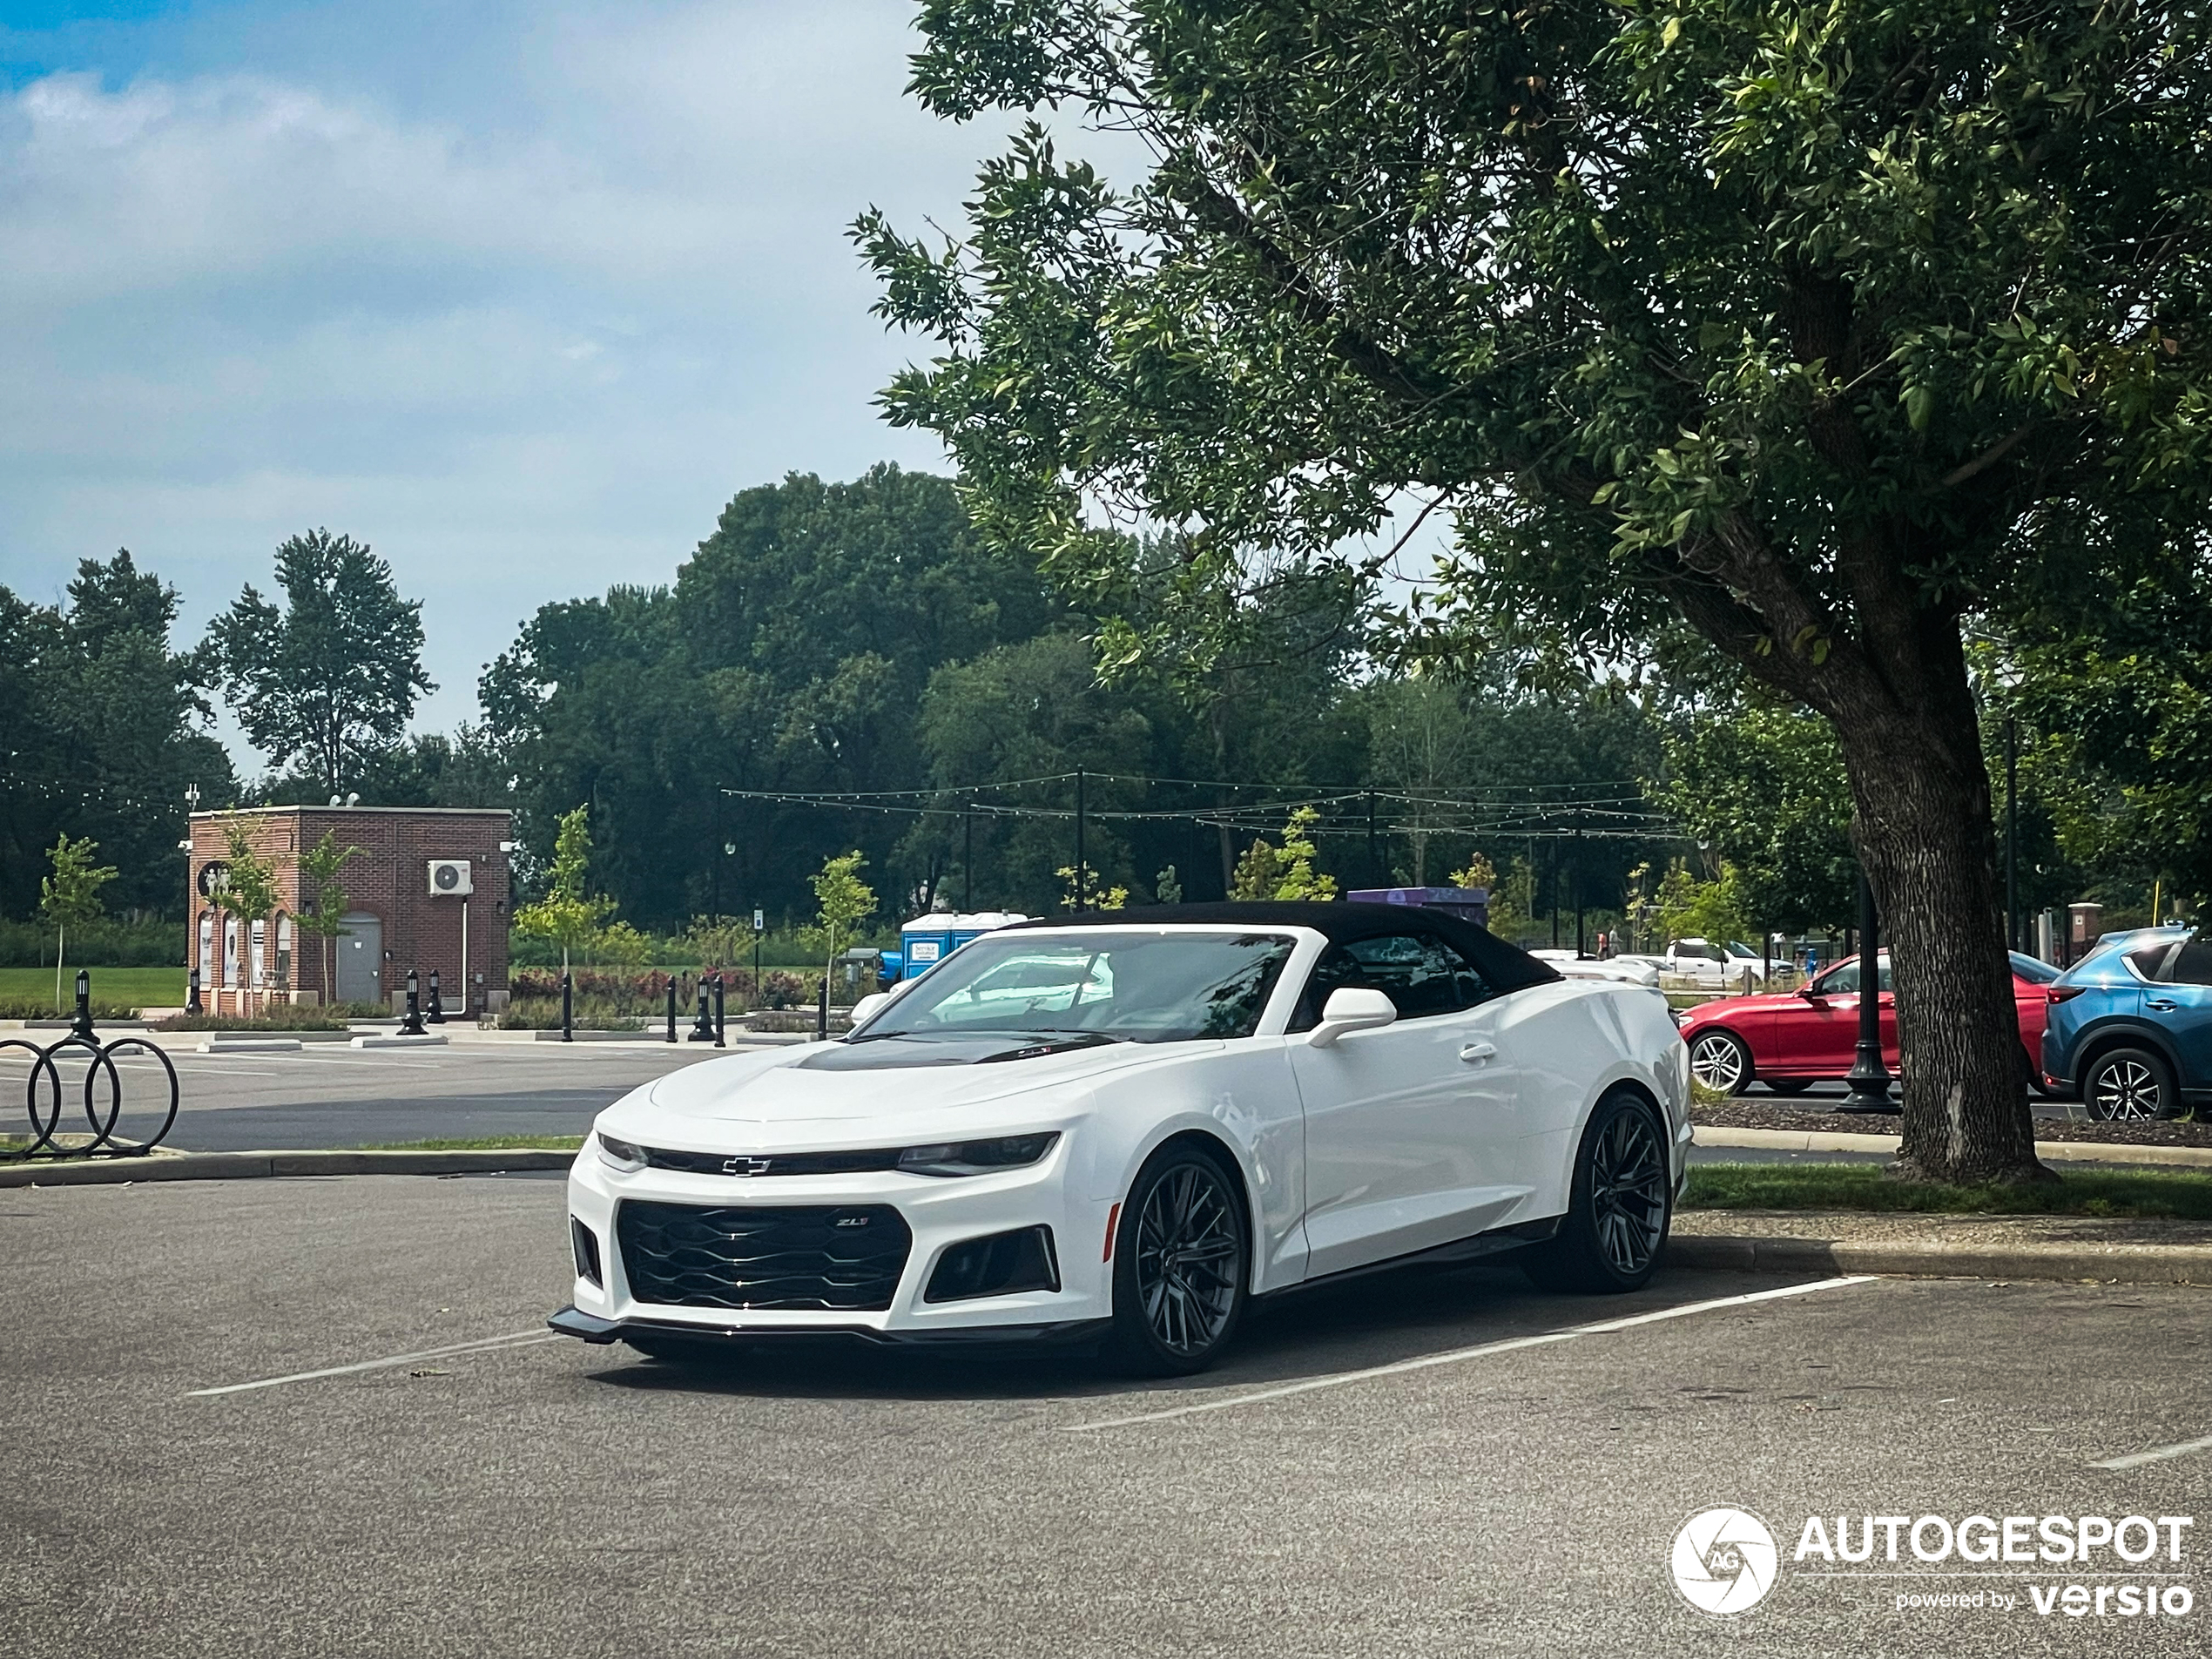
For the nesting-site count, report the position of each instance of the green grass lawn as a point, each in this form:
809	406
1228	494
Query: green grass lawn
1867	1187
137	987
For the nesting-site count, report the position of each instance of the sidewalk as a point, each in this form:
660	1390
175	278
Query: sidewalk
2131	1250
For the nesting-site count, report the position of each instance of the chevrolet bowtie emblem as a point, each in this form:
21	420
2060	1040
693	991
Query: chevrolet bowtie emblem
746	1166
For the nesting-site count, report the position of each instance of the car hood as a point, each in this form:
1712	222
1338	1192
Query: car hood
784	1091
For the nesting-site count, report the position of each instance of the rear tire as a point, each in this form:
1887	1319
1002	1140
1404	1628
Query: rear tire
1182	1264
1721	1061
1787	1085
1620	1209
2130	1085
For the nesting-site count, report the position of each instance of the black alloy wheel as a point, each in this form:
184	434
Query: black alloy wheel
1182	1262
1618	1213
1720	1061
2127	1085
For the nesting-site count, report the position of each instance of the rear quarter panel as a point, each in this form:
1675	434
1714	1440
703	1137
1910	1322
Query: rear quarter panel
1574	1042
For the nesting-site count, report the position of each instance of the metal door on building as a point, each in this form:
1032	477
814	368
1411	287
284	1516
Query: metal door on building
360	958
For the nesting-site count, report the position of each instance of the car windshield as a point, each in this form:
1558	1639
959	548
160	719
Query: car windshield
1133	985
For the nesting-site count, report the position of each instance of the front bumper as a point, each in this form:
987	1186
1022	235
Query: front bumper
939	1213
1069	1333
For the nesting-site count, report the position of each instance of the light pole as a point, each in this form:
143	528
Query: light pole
1869	1077
2012	835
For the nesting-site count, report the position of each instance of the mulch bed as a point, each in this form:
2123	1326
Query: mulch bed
1742	1113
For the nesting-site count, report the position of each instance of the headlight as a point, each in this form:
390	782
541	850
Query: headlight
977	1157
619	1155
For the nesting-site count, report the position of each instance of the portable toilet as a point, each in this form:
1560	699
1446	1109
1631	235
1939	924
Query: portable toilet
926	941
1469	904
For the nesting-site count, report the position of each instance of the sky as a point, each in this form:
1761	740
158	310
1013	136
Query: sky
520	295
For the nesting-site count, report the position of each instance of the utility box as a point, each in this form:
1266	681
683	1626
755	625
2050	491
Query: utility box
1468	904
2084	925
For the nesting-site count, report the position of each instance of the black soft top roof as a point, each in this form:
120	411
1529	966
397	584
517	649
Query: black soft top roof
1507	966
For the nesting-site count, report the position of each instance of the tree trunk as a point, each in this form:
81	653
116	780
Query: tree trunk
1921	822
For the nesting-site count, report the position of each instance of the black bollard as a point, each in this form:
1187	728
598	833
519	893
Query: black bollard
719	1028
671	1008
568	1007
822	1012
702	1027
412	1025
192	1004
82	1025
437	1014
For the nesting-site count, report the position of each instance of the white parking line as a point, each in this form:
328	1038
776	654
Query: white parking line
1454	1356
2157	1455
518	1339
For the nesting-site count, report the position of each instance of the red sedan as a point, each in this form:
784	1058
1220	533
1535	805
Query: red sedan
1789	1041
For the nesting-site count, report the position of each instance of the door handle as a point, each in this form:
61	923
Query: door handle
2161	1005
1475	1053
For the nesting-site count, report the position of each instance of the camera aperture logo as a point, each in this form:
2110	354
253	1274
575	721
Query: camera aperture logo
1724	1560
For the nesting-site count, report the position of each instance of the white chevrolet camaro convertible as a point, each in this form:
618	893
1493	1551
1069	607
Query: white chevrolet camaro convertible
1120	1129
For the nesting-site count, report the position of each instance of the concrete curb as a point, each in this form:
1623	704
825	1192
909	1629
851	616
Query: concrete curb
1790	1140
2129	1264
249	1166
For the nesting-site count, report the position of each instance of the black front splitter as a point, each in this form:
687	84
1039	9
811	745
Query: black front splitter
1064	1333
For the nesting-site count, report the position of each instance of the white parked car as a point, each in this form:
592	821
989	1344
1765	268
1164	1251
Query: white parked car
1179	1112
1628	970
1728	966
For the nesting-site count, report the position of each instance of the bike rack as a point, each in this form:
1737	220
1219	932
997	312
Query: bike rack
44	1126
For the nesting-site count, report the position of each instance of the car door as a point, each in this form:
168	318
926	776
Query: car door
1411	1140
1820	1037
2181	1003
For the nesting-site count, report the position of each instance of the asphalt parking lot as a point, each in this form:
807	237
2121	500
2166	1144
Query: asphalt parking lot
400	1491
332	1096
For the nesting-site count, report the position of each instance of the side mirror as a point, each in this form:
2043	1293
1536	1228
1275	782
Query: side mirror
866	1007
1351	1009
1809	995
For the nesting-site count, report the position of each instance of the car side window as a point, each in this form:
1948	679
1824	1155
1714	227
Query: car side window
1421	975
2192	964
1843	980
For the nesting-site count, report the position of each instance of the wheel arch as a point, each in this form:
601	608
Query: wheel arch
2122	1033
1247	1195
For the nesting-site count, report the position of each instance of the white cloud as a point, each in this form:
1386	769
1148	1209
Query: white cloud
523	317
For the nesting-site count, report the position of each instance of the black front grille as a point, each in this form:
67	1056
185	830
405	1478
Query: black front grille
860	1163
843	1258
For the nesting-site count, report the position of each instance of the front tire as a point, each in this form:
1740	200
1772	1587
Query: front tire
1721	1061
1621	1204
2130	1085
1182	1264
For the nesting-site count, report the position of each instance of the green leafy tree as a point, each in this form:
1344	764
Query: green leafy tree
1689	908
329	680
1808	329
323	916
1764	787
71	896
105	726
567	914
1092	894
1165	889
842	902
1286	872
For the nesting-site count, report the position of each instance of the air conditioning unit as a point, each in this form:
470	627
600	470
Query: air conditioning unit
449	877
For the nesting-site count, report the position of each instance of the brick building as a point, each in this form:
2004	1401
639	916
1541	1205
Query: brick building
428	889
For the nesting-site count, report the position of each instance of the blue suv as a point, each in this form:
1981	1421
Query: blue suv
2131	1024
